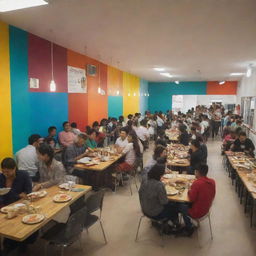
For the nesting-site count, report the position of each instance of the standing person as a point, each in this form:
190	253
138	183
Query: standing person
27	159
51	171
216	122
201	195
66	137
143	133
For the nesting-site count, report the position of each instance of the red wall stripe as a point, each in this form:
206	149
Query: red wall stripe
214	88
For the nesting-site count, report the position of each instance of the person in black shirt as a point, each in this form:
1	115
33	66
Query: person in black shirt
243	144
196	156
184	136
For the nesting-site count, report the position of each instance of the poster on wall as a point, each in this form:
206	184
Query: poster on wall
77	82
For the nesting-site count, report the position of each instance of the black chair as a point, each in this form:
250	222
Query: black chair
64	235
94	203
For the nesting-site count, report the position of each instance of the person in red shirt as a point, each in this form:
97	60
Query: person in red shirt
201	195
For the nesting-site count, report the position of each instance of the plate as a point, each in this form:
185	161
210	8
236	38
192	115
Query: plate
171	191
84	160
4	191
38	194
62	198
33	219
10	207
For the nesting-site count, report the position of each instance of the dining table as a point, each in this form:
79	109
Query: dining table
15	229
172	135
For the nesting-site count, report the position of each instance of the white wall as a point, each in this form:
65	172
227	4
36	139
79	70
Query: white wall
207	99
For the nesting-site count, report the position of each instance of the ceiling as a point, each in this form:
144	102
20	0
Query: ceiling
193	39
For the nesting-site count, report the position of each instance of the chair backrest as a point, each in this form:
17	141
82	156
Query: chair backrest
74	226
95	201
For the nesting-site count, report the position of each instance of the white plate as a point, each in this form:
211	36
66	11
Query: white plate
33	218
62	198
171	191
14	206
38	194
168	176
64	186
4	191
84	160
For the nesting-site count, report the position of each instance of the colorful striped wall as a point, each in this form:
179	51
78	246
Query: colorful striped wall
24	111
161	93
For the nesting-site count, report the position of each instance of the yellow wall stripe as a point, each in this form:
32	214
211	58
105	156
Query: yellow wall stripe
5	94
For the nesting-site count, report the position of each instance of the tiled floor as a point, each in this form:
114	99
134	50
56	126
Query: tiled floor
231	229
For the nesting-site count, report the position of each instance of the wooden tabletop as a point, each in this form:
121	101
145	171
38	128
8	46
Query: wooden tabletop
176	161
98	167
16	230
183	197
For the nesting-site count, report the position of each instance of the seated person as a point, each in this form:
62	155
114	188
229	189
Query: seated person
201	195
91	140
130	152
196	155
27	159
153	198
243	144
74	128
66	137
122	141
204	150
161	142
21	185
51	171
74	152
100	136
159	152
184	136
52	131
194	134
19	182
143	133
228	140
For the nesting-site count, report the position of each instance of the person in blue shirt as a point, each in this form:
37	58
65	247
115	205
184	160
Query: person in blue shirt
19	182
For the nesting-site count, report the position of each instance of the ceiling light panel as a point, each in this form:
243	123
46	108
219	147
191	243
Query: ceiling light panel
11	5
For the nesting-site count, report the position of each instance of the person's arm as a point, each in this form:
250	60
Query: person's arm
62	139
27	186
192	193
162	196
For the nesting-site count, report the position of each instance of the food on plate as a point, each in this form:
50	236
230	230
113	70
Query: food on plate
38	194
170	190
33	218
61	198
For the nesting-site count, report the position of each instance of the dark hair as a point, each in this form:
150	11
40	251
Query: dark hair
102	121
161	142
182	128
156	172
193	129
8	163
121	118
195	143
87	129
33	138
73	125
202	169
130	116
95	124
124	129
158	151
51	128
242	134
64	123
143	122
45	149
135	142
161	160
91	131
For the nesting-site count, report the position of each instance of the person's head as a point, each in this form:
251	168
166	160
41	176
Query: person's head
201	170
45	153
160	151
233	134
113	120
103	122
156	172
96	125
121	119
34	140
81	139
123	133
92	134
195	145
129	116
143	123
50	141
66	126
242	136
73	125
9	167
182	128
52	131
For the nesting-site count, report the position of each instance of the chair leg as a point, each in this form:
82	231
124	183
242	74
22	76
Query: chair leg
45	248
137	233
162	234
103	232
210	224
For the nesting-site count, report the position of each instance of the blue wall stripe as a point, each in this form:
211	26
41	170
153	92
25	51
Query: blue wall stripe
161	93
115	106
19	87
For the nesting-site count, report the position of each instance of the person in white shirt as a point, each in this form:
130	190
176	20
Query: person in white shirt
121	141
204	124
27	159
143	133
74	128
160	121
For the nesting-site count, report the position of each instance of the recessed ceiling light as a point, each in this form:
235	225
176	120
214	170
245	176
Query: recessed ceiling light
177	82
166	74
222	82
159	69
11	5
236	74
